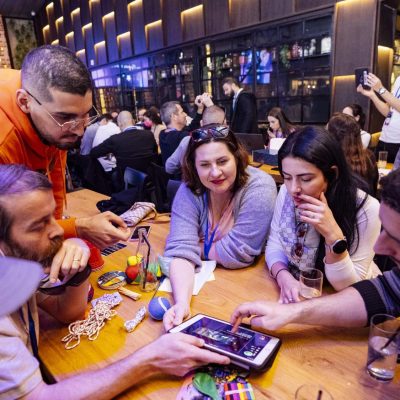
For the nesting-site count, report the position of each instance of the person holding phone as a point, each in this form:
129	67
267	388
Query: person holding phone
279	124
222	212
320	216
388	104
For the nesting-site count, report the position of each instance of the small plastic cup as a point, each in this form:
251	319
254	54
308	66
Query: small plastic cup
96	260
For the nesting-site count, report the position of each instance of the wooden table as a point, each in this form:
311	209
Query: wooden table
333	357
269	169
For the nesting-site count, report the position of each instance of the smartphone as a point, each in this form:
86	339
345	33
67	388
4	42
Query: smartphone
135	233
361	77
246	348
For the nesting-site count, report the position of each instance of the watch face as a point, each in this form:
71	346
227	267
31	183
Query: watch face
340	246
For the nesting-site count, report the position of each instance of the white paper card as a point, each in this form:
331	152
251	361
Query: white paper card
200	278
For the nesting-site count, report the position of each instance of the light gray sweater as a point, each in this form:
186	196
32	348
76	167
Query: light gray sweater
252	212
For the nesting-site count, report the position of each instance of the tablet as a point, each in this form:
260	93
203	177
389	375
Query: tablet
246	348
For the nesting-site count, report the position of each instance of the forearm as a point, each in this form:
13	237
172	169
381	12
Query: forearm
345	308
391	100
381	106
114	379
182	280
72	304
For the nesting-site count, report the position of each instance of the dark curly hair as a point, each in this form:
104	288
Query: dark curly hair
189	171
390	194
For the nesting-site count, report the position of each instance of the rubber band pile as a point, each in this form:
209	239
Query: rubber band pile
91	326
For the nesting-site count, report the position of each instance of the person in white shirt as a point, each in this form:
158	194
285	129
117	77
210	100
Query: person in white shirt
356	111
106	129
389	107
321	219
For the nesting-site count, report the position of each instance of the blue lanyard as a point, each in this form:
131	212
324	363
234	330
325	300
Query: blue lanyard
208	242
32	332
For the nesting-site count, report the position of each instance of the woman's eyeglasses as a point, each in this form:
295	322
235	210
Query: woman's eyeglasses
298	247
210	132
59	287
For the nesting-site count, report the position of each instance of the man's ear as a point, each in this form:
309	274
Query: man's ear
23	100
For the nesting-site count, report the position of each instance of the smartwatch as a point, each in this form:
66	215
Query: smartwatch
338	246
381	90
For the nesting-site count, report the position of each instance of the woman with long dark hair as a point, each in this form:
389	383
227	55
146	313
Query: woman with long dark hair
362	162
356	111
321	219
152	121
279	124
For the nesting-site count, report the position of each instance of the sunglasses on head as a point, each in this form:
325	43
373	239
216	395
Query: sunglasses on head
59	287
298	247
210	132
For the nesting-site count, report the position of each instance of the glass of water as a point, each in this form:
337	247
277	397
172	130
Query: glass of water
383	346
311	280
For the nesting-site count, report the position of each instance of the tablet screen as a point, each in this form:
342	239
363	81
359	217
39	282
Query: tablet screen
244	343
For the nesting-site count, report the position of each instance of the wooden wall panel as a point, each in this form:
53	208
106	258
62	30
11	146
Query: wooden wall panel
89	45
121	16
85	13
151	11
216	16
136	23
101	53
154	35
98	33
51	21
349	25
58	12
110	36
171	17
244	12
124	45
77	27
67	16
273	9
303	5
107	6
192	21
70	41
60	31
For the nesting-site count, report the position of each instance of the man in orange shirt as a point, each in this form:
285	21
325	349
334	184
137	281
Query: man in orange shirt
44	110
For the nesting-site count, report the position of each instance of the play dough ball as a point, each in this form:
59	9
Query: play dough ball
157	307
132	260
132	274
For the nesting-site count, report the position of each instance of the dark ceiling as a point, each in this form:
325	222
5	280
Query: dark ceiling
20	8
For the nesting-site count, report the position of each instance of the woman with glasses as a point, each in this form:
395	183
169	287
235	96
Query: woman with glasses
222	212
321	218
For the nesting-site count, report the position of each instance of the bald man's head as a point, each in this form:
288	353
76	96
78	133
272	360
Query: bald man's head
213	115
125	120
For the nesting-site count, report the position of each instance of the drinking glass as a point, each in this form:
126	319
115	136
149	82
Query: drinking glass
382	159
383	347
311	280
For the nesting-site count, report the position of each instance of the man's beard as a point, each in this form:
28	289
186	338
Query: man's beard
46	258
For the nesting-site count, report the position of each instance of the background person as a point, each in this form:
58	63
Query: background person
361	161
279	124
353	306
152	121
390	108
221	213
356	111
321	219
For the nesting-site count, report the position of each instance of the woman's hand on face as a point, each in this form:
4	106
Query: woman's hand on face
290	288
175	315
317	213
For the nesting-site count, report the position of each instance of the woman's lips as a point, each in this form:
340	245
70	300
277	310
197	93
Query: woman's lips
218	181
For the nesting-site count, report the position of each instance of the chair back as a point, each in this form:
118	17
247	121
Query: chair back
160	178
137	179
172	188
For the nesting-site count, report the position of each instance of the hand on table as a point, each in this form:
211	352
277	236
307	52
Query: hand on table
177	354
317	213
290	288
103	229
72	257
263	314
175	315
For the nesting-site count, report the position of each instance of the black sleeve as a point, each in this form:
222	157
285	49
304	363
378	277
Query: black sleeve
103	149
249	114
195	122
374	303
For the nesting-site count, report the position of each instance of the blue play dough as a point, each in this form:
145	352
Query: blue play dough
157	307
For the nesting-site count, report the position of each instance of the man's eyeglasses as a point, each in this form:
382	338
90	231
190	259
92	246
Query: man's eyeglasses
210	132
59	287
69	125
298	247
